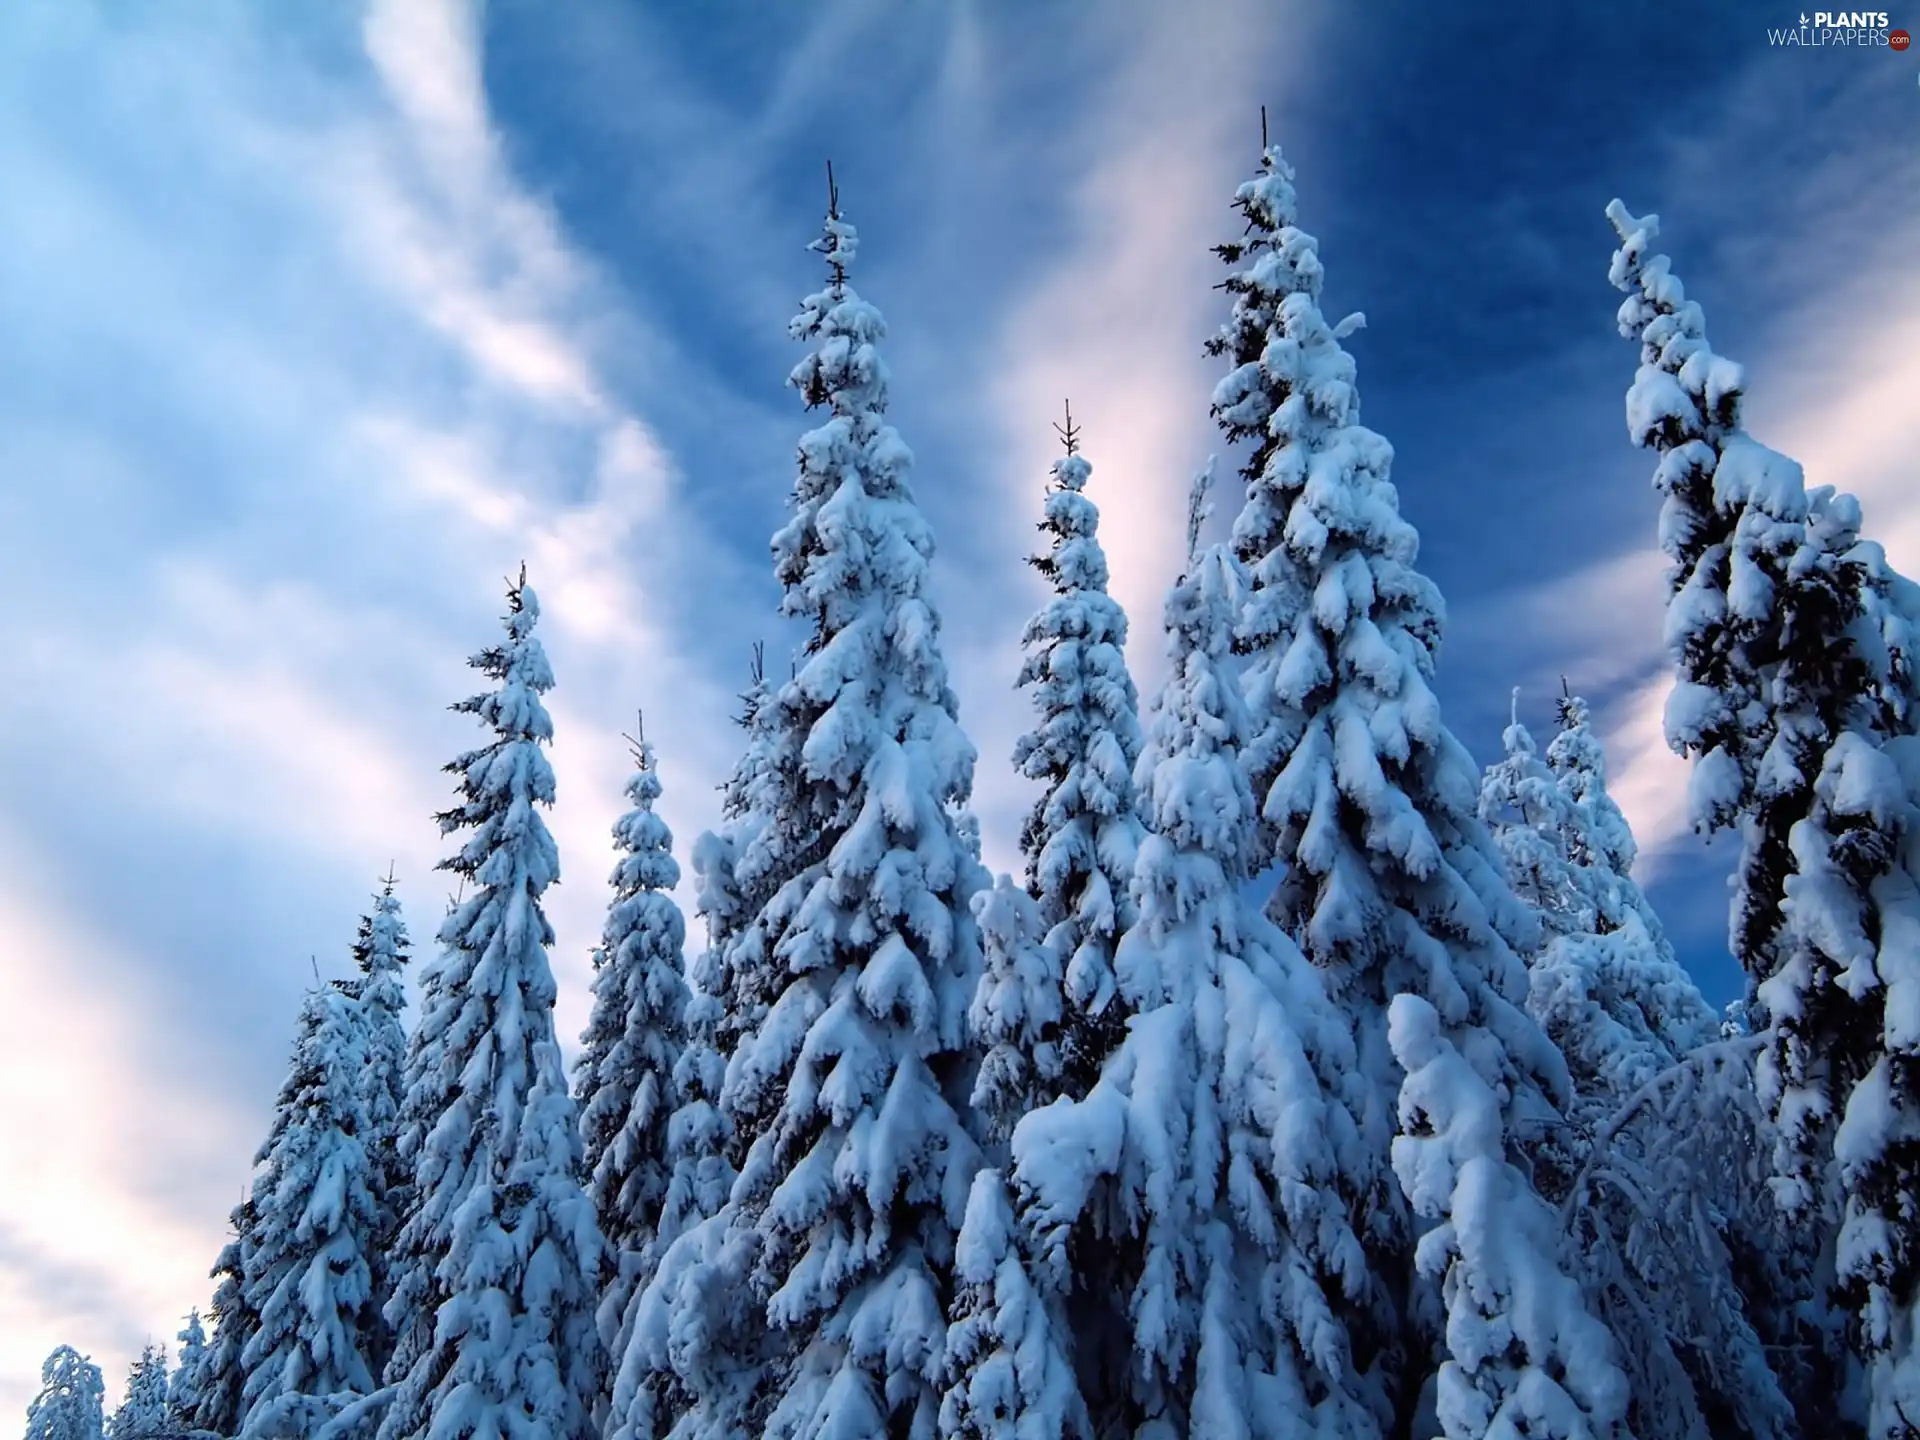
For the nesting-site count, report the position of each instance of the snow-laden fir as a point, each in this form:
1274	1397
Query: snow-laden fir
846	1093
1659	1211
71	1401
1791	637
1386	875
632	1044
1204	1161
1082	835
307	1272
380	955
496	1269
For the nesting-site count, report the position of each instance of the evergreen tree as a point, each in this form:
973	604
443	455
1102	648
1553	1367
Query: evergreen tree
307	1275
188	1380
1794	700
1083	832
219	1406
1385	875
1653	1173
498	1257
69	1405
1204	1165
1604	982
1010	1372
690	1359
631	1045
846	1095
143	1412
380	952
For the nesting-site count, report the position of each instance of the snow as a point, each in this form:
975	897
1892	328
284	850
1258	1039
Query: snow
69	1404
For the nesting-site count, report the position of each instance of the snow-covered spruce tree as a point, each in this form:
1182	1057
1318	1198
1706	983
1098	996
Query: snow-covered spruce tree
1083	832
219	1406
1525	1355
1604	981
143	1411
1654	1174
631	1045
307	1272
690	1362
847	1095
380	953
71	1399
498	1257
1793	698
1386	875
189	1374
1204	1166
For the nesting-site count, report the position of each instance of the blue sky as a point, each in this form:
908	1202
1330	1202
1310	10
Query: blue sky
319	319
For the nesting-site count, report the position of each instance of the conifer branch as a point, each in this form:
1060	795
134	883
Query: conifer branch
514	587
388	879
758	669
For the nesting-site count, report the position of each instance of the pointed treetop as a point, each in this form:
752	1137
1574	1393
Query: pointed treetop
386	881
839	240
1265	144
1069	433
637	742
516	589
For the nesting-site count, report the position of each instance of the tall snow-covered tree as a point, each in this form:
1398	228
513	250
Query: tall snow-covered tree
307	1272
71	1399
1788	633
690	1364
143	1411
380	953
632	1043
219	1406
846	1096
1206	1161
1386	876
498	1258
184	1386
1081	837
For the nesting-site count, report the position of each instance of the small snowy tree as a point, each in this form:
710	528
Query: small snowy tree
307	1272
846	1095
1204	1167
69	1405
689	1363
631	1045
184	1386
219	1406
380	952
499	1254
143	1412
1083	832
